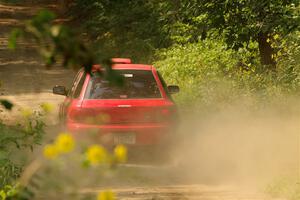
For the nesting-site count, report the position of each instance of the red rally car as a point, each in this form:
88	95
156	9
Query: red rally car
139	112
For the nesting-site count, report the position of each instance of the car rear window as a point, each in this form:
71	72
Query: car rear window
138	84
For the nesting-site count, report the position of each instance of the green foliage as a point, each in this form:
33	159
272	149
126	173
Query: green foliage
12	40
288	58
17	139
8	192
212	76
6	104
240	22
197	68
56	42
123	28
137	28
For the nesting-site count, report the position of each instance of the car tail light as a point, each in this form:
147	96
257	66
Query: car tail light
165	114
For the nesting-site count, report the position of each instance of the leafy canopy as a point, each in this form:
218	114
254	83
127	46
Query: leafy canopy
241	21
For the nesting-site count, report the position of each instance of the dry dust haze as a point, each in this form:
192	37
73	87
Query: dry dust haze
240	146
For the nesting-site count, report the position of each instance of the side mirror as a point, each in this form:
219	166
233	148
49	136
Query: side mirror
173	89
60	90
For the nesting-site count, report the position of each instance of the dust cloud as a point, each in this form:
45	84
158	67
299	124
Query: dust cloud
240	146
233	146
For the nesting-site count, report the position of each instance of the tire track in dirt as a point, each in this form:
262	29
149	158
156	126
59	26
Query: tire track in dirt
183	192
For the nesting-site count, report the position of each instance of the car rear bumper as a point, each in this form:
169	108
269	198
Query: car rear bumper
144	134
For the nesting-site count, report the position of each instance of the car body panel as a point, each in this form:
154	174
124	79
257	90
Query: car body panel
150	121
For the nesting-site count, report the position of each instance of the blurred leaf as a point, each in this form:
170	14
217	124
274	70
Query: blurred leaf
2	194
12	40
6	104
85	164
44	16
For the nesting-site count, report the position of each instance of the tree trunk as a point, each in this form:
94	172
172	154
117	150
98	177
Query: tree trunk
266	51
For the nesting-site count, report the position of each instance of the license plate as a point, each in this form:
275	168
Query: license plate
124	138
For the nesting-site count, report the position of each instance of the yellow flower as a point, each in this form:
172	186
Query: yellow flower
120	153
64	143
50	151
47	107
96	154
106	195
26	112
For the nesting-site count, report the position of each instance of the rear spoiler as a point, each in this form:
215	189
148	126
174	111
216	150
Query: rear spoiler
121	60
114	61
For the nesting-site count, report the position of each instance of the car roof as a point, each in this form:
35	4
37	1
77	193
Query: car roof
126	67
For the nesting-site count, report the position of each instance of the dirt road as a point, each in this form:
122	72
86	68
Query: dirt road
26	82
185	192
24	79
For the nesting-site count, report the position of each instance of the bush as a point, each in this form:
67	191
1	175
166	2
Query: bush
15	141
211	76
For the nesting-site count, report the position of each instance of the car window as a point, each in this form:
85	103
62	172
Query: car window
79	86
74	83
164	84
138	84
